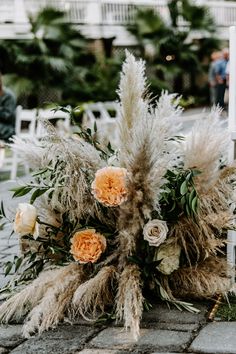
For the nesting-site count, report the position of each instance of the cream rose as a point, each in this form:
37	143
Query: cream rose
87	246
169	255
155	232
25	220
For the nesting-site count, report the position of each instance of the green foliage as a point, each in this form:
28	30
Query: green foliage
97	82
179	195
170	50
227	310
57	56
37	191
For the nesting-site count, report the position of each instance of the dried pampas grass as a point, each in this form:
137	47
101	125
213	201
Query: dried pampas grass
145	157
92	296
29	151
47	299
129	301
56	302
20	304
204	147
196	239
203	281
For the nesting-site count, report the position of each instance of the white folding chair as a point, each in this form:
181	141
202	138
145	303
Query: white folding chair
105	114
61	120
25	122
24	128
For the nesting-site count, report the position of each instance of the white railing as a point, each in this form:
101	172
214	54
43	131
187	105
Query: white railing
7	11
116	12
108	13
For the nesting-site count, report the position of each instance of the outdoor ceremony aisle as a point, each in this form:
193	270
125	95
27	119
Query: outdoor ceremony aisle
9	246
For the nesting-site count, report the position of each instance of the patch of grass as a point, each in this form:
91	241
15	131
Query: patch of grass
5	175
227	311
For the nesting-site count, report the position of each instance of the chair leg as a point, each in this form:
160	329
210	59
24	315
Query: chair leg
231	254
14	166
27	170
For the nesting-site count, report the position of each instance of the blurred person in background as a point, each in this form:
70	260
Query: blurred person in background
215	56
7	113
221	77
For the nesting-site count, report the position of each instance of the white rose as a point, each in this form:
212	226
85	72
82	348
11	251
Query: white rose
155	232
169	254
25	220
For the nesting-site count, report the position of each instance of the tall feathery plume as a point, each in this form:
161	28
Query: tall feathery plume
144	146
91	297
29	151
144	149
15	308
56	303
47	300
130	299
204	147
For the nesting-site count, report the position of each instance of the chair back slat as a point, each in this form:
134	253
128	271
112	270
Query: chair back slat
106	116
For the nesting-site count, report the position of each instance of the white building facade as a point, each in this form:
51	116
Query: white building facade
103	18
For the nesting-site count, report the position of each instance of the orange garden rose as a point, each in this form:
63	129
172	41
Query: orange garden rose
87	246
109	186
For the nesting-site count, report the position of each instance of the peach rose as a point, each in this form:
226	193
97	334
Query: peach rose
109	186
87	246
25	220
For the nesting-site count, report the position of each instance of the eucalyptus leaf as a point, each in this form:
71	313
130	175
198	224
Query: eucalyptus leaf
37	193
183	188
8	267
195	204
2	210
20	192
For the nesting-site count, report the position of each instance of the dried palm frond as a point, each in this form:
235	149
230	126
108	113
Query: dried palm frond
93	295
196	238
129	301
220	220
203	281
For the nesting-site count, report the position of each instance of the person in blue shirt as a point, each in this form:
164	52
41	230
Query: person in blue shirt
7	112
215	57
220	76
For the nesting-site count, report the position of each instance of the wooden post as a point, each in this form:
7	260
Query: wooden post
232	129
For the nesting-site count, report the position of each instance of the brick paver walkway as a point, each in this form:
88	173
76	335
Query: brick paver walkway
9	245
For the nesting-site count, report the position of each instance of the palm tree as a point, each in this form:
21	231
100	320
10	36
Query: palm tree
174	51
47	58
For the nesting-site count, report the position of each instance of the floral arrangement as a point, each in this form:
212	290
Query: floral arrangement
110	232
